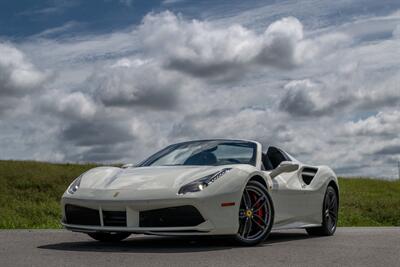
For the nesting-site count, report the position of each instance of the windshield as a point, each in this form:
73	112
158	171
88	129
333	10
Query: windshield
214	152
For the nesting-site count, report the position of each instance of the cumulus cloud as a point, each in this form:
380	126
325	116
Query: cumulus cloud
383	123
263	125
306	98
350	89
202	49
130	83
89	133
280	43
18	76
315	91
75	105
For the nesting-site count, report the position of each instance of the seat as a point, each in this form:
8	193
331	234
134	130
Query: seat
274	157
267	162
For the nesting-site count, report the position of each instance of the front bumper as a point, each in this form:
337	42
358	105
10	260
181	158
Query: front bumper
218	220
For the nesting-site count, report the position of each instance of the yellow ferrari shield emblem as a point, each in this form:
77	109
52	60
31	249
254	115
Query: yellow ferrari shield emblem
249	213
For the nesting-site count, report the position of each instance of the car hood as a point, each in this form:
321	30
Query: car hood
144	178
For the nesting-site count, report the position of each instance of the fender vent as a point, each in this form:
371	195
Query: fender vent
307	174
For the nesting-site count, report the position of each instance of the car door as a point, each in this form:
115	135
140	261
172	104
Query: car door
287	191
314	191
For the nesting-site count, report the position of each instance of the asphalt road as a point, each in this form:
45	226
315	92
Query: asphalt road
349	247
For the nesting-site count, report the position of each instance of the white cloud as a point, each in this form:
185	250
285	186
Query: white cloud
310	88
280	43
204	50
383	123
130	83
396	32
127	63
74	105
18	75
310	98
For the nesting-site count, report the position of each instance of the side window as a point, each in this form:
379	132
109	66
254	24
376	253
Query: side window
275	156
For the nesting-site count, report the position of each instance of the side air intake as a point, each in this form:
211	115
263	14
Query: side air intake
307	174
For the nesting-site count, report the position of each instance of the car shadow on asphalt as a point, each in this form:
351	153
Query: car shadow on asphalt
157	244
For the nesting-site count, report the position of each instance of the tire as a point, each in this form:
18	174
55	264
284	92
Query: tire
109	237
330	210
256	215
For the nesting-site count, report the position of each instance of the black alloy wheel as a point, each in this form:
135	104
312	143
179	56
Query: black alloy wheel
256	214
329	215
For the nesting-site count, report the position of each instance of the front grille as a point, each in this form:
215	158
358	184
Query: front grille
171	217
114	218
81	216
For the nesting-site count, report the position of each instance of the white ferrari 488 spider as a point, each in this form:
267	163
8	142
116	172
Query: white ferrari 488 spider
204	187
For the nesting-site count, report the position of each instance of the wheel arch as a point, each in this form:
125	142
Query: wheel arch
250	173
329	178
335	186
260	179
264	182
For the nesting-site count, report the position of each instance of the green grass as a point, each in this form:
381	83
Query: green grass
369	202
30	194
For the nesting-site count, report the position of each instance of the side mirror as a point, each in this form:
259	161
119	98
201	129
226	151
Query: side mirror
127	166
284	166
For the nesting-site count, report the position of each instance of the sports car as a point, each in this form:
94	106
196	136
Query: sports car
204	187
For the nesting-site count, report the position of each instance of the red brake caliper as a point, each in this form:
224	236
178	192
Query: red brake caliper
260	212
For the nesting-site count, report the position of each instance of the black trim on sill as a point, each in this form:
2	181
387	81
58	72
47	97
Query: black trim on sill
178	231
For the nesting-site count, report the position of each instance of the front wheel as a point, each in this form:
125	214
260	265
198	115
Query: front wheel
109	237
329	215
256	215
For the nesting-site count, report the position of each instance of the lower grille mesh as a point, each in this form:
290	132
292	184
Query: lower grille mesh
182	216
114	218
171	217
81	216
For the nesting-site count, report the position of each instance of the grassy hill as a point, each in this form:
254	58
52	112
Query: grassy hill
30	193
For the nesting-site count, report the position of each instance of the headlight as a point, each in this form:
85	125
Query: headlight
200	184
75	185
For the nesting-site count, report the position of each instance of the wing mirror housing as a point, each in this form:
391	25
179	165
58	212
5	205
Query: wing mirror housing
284	166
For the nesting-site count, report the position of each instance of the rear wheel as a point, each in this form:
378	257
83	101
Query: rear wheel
329	215
109	237
256	214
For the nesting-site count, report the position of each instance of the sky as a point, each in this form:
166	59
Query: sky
116	80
